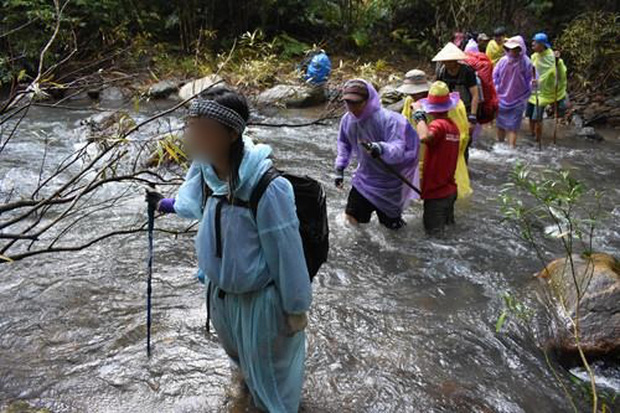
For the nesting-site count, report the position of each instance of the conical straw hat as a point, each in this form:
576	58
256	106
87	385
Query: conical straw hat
450	52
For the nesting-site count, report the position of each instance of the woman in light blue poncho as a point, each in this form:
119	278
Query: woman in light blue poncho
258	288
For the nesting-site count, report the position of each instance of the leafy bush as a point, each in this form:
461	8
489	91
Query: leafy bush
589	45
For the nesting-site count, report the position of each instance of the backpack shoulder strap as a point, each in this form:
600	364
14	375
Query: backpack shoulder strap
271	174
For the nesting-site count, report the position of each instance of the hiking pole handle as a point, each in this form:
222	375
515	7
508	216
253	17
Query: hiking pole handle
391	169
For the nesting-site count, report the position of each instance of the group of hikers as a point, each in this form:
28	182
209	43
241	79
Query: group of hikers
255	258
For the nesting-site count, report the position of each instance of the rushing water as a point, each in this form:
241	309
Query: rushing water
399	322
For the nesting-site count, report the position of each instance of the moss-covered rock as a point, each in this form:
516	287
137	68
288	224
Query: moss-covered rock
597	278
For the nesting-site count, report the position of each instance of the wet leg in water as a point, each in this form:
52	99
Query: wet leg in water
512	138
501	135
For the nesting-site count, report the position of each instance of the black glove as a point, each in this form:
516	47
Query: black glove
419	116
153	197
339	178
373	148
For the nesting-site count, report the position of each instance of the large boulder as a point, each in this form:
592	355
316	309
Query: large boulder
598	280
196	86
292	96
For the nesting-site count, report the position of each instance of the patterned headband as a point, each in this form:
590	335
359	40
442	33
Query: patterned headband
207	108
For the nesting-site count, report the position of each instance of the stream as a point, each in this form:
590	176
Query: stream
399	322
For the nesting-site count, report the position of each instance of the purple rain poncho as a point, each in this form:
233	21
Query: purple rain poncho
400	145
513	81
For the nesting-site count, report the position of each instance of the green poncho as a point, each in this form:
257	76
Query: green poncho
545	73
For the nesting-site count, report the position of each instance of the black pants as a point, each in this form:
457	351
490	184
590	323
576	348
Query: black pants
438	213
361	209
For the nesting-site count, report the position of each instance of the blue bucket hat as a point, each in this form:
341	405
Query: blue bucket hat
542	39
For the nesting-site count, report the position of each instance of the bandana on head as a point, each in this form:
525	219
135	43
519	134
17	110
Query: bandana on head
210	109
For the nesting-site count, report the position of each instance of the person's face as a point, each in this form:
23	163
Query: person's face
452	65
208	139
515	52
482	44
356	107
419	96
500	39
537	47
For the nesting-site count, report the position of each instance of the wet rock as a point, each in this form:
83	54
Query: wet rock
389	95
196	86
106	126
163	89
93	93
397	106
112	94
589	133
599	280
292	96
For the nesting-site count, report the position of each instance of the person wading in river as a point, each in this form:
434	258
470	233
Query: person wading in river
441	139
513	82
544	60
460	78
258	287
389	136
416	87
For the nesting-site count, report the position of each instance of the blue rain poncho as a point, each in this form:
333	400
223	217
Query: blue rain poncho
263	272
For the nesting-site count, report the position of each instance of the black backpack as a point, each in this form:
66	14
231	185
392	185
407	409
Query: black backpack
311	204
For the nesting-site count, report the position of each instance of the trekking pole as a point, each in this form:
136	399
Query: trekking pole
393	171
152	206
555	97
536	131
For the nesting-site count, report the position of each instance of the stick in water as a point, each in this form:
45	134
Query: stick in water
151	225
537	127
392	170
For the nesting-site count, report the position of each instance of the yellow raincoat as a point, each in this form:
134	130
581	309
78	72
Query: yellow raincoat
495	51
459	117
545	72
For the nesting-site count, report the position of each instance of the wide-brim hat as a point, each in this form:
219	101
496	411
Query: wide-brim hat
415	82
440	99
449	52
511	43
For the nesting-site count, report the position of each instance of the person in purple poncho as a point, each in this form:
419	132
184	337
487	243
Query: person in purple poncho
387	135
513	81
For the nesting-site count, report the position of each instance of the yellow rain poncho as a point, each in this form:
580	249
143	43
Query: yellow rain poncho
545	73
458	116
495	51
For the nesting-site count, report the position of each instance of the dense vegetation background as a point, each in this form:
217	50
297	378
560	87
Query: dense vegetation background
190	35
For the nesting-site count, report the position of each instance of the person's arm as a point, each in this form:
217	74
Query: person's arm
396	149
421	122
344	147
344	155
475	99
471	81
278	230
188	202
424	132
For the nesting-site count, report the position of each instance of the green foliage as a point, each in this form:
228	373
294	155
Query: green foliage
589	44
513	308
289	47
551	199
169	150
